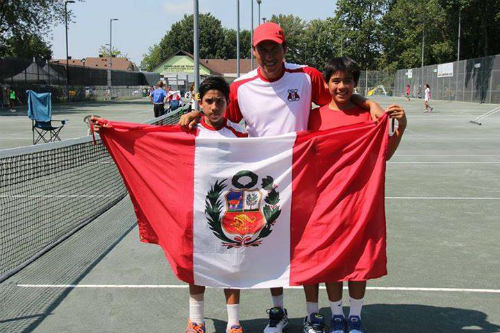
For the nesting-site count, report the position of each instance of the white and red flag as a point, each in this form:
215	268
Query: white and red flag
294	209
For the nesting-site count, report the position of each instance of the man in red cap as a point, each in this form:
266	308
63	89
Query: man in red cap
275	99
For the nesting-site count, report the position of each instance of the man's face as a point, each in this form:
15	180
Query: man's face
214	106
341	86
269	56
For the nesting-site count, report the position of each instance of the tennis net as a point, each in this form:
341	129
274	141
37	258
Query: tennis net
49	191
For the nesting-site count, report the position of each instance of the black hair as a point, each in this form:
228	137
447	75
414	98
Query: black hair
342	64
215	83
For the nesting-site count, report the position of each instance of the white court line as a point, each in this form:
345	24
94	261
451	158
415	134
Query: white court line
439	155
102	196
184	286
443	198
443	162
18	196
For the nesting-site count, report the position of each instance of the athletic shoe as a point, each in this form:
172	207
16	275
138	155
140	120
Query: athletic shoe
354	325
195	328
315	323
235	329
278	320
338	324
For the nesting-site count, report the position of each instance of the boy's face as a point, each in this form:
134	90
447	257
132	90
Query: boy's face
341	86
214	106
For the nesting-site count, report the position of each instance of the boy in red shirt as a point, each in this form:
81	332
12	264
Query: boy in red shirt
341	75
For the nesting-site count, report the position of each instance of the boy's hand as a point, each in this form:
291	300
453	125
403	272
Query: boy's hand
189	120
94	123
397	112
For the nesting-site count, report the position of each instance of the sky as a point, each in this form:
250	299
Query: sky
143	23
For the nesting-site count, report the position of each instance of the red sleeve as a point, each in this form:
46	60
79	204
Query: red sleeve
320	93
233	112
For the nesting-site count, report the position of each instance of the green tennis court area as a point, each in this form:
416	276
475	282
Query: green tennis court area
443	213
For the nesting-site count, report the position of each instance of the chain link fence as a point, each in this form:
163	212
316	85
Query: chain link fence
83	83
472	80
376	83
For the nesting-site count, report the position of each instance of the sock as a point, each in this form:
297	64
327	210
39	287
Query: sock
233	315
336	308
196	309
355	307
312	307
278	301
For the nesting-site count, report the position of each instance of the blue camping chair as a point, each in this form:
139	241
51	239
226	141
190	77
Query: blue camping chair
40	113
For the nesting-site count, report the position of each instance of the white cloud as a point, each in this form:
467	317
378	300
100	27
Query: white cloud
178	7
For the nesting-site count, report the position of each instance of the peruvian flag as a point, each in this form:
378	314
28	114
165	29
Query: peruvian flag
294	209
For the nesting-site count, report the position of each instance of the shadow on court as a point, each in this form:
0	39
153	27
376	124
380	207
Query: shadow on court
396	318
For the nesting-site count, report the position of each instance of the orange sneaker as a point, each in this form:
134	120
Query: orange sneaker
195	328
235	329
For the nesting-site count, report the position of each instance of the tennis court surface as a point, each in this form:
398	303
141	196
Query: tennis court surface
443	213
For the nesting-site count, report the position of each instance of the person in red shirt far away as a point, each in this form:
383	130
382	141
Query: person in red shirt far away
341	75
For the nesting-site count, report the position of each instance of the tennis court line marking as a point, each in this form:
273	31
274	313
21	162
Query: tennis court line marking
105	196
443	162
18	196
185	286
444	198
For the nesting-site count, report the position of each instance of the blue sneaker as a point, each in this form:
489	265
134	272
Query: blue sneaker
315	323
338	324
278	320
354	324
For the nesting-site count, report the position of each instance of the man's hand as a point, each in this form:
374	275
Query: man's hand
397	112
190	120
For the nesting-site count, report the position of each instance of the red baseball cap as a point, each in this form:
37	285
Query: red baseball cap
268	31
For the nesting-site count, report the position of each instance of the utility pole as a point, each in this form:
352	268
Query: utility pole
110	62
251	35
238	38
67	59
196	48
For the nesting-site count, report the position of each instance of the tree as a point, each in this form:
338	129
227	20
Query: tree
26	46
104	51
229	46
29	21
361	30
293	27
152	58
321	41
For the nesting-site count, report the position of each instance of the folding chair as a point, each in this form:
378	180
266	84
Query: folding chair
40	113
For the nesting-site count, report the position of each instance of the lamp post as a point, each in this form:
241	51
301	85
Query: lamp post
259	2
251	34
67	60
238	38
110	52
264	20
196	48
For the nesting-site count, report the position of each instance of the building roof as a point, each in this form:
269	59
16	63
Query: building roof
119	63
227	66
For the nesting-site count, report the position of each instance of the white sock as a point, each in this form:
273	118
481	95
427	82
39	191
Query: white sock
312	307
355	307
233	315
336	308
196	309
278	301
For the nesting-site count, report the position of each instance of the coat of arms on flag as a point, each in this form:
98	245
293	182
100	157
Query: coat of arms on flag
249	212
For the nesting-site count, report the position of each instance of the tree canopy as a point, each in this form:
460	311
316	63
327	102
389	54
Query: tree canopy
24	25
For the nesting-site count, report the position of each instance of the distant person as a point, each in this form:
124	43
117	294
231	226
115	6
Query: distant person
12	100
175	100
408	92
427	97
158	97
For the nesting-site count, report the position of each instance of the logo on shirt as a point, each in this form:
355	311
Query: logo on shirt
250	212
293	95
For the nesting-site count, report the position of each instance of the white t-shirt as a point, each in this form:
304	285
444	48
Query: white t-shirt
228	130
427	93
276	107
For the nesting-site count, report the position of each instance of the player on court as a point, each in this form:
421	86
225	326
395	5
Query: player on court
275	99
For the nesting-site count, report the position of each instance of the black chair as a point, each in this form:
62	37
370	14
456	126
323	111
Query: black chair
40	113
